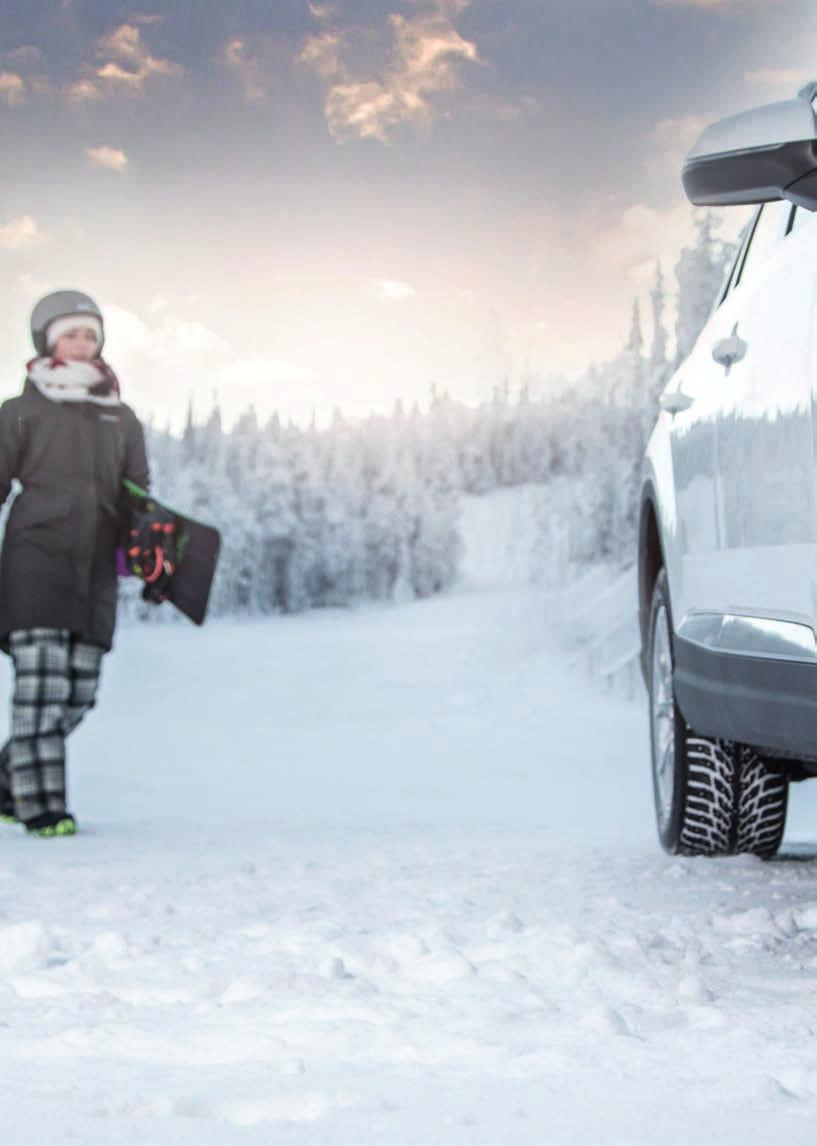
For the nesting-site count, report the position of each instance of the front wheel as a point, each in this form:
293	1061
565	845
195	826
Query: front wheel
712	796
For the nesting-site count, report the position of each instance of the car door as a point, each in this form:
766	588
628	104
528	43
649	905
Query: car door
693	399
765	450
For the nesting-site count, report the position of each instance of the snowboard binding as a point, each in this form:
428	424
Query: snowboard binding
154	548
174	555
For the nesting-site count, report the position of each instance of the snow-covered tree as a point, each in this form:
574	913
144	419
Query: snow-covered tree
700	270
369	508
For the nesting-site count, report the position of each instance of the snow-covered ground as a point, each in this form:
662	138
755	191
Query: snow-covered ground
389	875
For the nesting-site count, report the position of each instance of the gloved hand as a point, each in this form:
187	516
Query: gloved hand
154	591
151	551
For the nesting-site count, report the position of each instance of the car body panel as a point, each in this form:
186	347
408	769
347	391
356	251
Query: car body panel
731	480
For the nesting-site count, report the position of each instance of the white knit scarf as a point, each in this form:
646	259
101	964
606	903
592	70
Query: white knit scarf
74	381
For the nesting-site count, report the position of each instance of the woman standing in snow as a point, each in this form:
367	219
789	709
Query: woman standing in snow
69	441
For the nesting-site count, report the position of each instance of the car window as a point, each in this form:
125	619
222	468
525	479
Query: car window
768	231
801	218
734	266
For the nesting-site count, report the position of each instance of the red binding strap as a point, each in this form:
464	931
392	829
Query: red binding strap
160	564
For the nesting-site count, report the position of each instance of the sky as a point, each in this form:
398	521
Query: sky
308	205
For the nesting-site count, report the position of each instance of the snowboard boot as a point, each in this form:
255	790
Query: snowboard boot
7	815
52	824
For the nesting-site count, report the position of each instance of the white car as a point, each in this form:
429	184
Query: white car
727	554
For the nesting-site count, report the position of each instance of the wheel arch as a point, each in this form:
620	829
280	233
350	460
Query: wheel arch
650	562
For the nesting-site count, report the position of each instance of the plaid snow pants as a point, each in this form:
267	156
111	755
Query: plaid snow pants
55	684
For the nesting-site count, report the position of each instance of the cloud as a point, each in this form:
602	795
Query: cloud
126	65
706	4
425	54
502	109
393	289
19	233
627	245
322	11
19	78
269	384
163	360
82	91
790	78
324	54
25	56
729	7
110	157
251	373
39	84
670	141
32	285
12	88
631	242
246	68
168	335
157	303
146	18
678	133
129	62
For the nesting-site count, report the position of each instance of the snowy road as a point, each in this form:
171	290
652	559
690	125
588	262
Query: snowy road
390	876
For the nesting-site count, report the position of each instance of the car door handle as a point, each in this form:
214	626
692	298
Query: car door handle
674	401
728	351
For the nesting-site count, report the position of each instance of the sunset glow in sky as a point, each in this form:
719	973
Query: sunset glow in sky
309	205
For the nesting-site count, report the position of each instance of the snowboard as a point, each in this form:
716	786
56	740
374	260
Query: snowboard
173	554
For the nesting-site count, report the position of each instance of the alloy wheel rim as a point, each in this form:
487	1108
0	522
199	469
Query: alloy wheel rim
663	716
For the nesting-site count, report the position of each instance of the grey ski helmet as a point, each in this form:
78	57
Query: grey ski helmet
60	304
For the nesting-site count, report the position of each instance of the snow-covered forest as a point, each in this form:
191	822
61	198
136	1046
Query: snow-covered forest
369	509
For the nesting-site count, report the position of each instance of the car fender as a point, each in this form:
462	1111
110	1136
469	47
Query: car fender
660	546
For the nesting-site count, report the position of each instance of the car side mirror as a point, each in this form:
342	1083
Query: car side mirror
760	155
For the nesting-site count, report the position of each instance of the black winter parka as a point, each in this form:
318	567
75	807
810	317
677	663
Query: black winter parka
58	560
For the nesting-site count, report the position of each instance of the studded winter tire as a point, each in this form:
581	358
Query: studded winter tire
712	797
762	802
